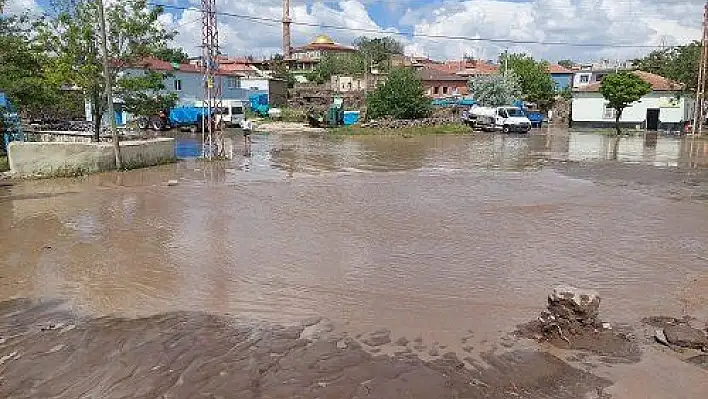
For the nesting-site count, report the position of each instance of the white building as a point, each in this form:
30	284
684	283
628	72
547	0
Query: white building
662	109
185	80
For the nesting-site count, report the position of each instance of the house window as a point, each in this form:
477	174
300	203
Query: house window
444	90
599	77
584	78
436	90
234	82
178	85
609	113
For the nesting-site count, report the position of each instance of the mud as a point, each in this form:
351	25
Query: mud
49	352
612	345
448	239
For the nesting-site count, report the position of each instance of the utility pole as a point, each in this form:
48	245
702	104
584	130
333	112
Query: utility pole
212	122
286	29
698	114
109	85
506	62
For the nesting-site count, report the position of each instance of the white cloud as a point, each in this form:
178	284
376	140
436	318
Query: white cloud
628	22
17	7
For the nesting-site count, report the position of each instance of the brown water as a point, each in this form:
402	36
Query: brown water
458	230
426	236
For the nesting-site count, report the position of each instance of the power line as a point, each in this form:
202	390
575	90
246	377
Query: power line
414	34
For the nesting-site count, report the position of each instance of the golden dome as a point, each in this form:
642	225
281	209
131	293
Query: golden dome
322	39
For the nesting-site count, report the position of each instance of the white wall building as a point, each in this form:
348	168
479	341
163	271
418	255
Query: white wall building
185	80
662	109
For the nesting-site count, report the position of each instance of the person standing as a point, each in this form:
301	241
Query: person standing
247	128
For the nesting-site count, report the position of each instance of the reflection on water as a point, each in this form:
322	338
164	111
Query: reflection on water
317	154
306	225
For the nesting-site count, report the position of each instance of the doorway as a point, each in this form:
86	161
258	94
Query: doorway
653	119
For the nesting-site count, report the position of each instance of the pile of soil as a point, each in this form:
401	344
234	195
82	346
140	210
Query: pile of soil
46	351
571	321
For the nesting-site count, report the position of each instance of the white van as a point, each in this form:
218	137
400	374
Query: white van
506	119
232	112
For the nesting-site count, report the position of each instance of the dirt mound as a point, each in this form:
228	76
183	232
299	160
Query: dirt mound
571	321
48	352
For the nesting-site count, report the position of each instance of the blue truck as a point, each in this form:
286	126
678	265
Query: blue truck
186	117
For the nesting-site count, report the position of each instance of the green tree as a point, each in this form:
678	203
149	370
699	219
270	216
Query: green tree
537	86
378	51
401	97
338	64
72	40
279	69
621	90
679	64
566	64
495	90
174	55
22	65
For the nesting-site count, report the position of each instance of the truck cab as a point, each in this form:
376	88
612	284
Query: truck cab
512	119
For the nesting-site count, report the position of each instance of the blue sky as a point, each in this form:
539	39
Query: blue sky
616	25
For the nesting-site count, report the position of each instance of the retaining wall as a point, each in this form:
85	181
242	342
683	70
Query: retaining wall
71	159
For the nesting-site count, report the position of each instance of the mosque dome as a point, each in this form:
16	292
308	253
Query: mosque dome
323	39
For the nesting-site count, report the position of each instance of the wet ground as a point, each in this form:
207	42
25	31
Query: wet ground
426	236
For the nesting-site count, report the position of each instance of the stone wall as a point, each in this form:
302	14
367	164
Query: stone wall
71	159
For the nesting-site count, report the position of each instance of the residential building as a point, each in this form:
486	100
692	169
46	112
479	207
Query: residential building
185	80
439	84
305	58
662	109
470	68
562	76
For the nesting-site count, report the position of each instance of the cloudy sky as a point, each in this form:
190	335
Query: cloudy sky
423	25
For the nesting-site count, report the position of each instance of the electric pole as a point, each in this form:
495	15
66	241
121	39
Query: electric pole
109	85
698	114
212	120
286	29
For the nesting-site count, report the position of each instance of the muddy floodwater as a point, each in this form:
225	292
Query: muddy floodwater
448	239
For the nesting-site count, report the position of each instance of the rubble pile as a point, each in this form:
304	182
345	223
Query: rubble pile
683	332
570	312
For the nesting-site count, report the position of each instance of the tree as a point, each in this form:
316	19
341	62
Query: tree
566	64
174	55
537	86
338	64
72	41
679	64
378	51
22	66
495	90
621	90
401	97
280	70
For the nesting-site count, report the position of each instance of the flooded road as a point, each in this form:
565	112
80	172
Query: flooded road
427	236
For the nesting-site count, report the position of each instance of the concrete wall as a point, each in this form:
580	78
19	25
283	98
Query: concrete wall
590	107
70	159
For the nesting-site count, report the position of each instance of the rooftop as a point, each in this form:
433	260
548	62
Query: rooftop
559	69
155	64
658	83
434	74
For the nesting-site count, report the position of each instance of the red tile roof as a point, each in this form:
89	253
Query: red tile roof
433	74
658	83
155	64
559	69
